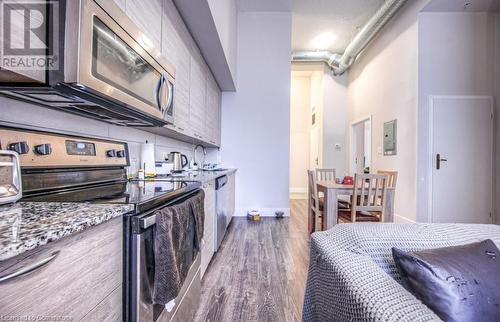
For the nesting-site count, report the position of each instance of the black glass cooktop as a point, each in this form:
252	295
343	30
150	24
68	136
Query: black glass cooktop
126	192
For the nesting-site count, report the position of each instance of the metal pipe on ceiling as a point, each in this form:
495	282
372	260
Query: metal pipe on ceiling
340	63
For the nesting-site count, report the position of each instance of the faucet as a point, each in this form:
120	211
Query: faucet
194	152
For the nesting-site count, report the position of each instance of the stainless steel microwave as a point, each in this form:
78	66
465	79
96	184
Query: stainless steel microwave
107	68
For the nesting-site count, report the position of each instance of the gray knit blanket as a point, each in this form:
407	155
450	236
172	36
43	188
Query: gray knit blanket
177	241
352	275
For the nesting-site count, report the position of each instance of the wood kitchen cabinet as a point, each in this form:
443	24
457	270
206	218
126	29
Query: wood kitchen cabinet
147	14
197	97
212	120
175	43
207	249
197	101
121	4
83	282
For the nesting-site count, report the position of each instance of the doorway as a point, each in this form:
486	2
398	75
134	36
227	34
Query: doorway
361	153
461	145
314	151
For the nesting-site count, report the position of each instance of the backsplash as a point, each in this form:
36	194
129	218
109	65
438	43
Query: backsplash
26	115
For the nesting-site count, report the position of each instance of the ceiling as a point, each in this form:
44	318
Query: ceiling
265	5
463	5
329	24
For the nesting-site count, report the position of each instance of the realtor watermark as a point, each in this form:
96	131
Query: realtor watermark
51	318
29	34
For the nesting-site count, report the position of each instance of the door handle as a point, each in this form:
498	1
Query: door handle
29	268
439	160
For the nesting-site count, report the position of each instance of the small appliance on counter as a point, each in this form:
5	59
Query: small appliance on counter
148	163
178	160
10	177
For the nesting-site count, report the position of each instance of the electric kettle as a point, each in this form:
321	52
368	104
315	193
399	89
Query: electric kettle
10	177
178	160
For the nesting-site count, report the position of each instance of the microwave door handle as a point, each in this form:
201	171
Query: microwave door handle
158	92
170	91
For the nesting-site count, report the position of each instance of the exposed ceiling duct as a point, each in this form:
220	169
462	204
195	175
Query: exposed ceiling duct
341	62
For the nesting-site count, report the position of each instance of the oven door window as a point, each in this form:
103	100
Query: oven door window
117	64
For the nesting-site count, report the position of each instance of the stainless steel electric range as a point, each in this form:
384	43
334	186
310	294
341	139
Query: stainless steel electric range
65	168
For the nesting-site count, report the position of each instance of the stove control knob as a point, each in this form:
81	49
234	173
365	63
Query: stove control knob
111	153
120	153
43	149
20	147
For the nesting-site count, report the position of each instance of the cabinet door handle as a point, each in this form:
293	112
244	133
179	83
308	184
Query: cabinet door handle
29	268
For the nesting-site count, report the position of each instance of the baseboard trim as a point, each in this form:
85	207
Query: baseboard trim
264	212
298	190
403	220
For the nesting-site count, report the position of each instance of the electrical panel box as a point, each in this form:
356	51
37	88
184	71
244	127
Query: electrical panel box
390	135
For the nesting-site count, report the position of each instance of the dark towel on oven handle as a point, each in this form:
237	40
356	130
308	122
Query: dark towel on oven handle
178	234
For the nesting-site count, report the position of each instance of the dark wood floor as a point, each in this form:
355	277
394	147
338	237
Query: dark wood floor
260	271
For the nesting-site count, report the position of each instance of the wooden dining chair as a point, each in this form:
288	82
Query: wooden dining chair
329	175
325	174
369	197
315	206
392	177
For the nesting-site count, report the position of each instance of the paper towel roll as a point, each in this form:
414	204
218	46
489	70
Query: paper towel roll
148	159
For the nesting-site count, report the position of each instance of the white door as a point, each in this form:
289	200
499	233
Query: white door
359	147
462	159
314	161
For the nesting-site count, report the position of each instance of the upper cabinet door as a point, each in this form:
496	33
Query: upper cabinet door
121	4
147	15
197	96
212	111
174	45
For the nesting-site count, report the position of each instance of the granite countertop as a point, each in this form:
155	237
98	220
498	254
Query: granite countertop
26	225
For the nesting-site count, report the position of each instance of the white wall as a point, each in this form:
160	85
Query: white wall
317	101
256	118
335	114
456	58
496	89
300	127
225	15
383	83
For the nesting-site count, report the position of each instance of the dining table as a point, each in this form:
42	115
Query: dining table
332	190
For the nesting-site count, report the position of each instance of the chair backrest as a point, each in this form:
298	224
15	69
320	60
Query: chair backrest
392	177
313	190
325	174
369	193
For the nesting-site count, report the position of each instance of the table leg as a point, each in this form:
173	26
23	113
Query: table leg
389	207
330	211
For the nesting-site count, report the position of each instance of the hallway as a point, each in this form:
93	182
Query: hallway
260	265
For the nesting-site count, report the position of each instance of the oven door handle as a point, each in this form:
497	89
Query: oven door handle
149	218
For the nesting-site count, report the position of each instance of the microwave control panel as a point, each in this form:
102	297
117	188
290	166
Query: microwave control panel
49	150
